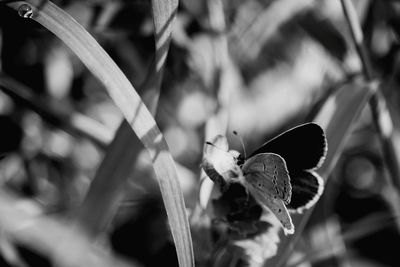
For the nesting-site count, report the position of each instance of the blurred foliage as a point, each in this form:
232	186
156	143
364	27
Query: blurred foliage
284	58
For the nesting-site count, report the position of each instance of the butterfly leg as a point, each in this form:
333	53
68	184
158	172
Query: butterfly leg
247	201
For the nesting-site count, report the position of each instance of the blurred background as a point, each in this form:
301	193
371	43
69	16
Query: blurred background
268	65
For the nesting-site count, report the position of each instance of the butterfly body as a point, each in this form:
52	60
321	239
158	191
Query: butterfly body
280	174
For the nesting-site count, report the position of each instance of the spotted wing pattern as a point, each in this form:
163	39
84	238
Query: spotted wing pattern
268	173
266	177
276	205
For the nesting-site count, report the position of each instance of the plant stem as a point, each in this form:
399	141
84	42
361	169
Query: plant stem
380	113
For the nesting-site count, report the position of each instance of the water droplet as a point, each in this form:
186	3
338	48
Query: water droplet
25	11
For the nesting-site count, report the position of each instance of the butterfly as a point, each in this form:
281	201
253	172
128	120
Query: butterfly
280	174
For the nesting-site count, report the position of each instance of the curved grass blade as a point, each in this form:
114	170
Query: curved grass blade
104	194
131	106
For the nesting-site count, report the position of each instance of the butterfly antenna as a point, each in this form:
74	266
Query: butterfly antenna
241	142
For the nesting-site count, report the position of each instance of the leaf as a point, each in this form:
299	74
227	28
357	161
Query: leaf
325	33
43	235
250	35
132	107
336	117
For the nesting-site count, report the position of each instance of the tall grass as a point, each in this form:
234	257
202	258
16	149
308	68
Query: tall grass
77	189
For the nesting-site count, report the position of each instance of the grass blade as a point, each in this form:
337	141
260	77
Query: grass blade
104	195
131	106
336	116
164	13
51	237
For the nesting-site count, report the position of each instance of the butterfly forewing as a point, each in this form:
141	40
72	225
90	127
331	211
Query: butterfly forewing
303	147
267	173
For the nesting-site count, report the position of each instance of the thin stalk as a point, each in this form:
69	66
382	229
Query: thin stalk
105	194
218	123
380	113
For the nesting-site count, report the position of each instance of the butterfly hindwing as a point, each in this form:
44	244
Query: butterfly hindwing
268	173
303	147
267	179
276	205
307	187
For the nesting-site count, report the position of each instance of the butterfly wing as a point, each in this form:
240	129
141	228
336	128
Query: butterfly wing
307	187
267	179
303	147
276	205
268	172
